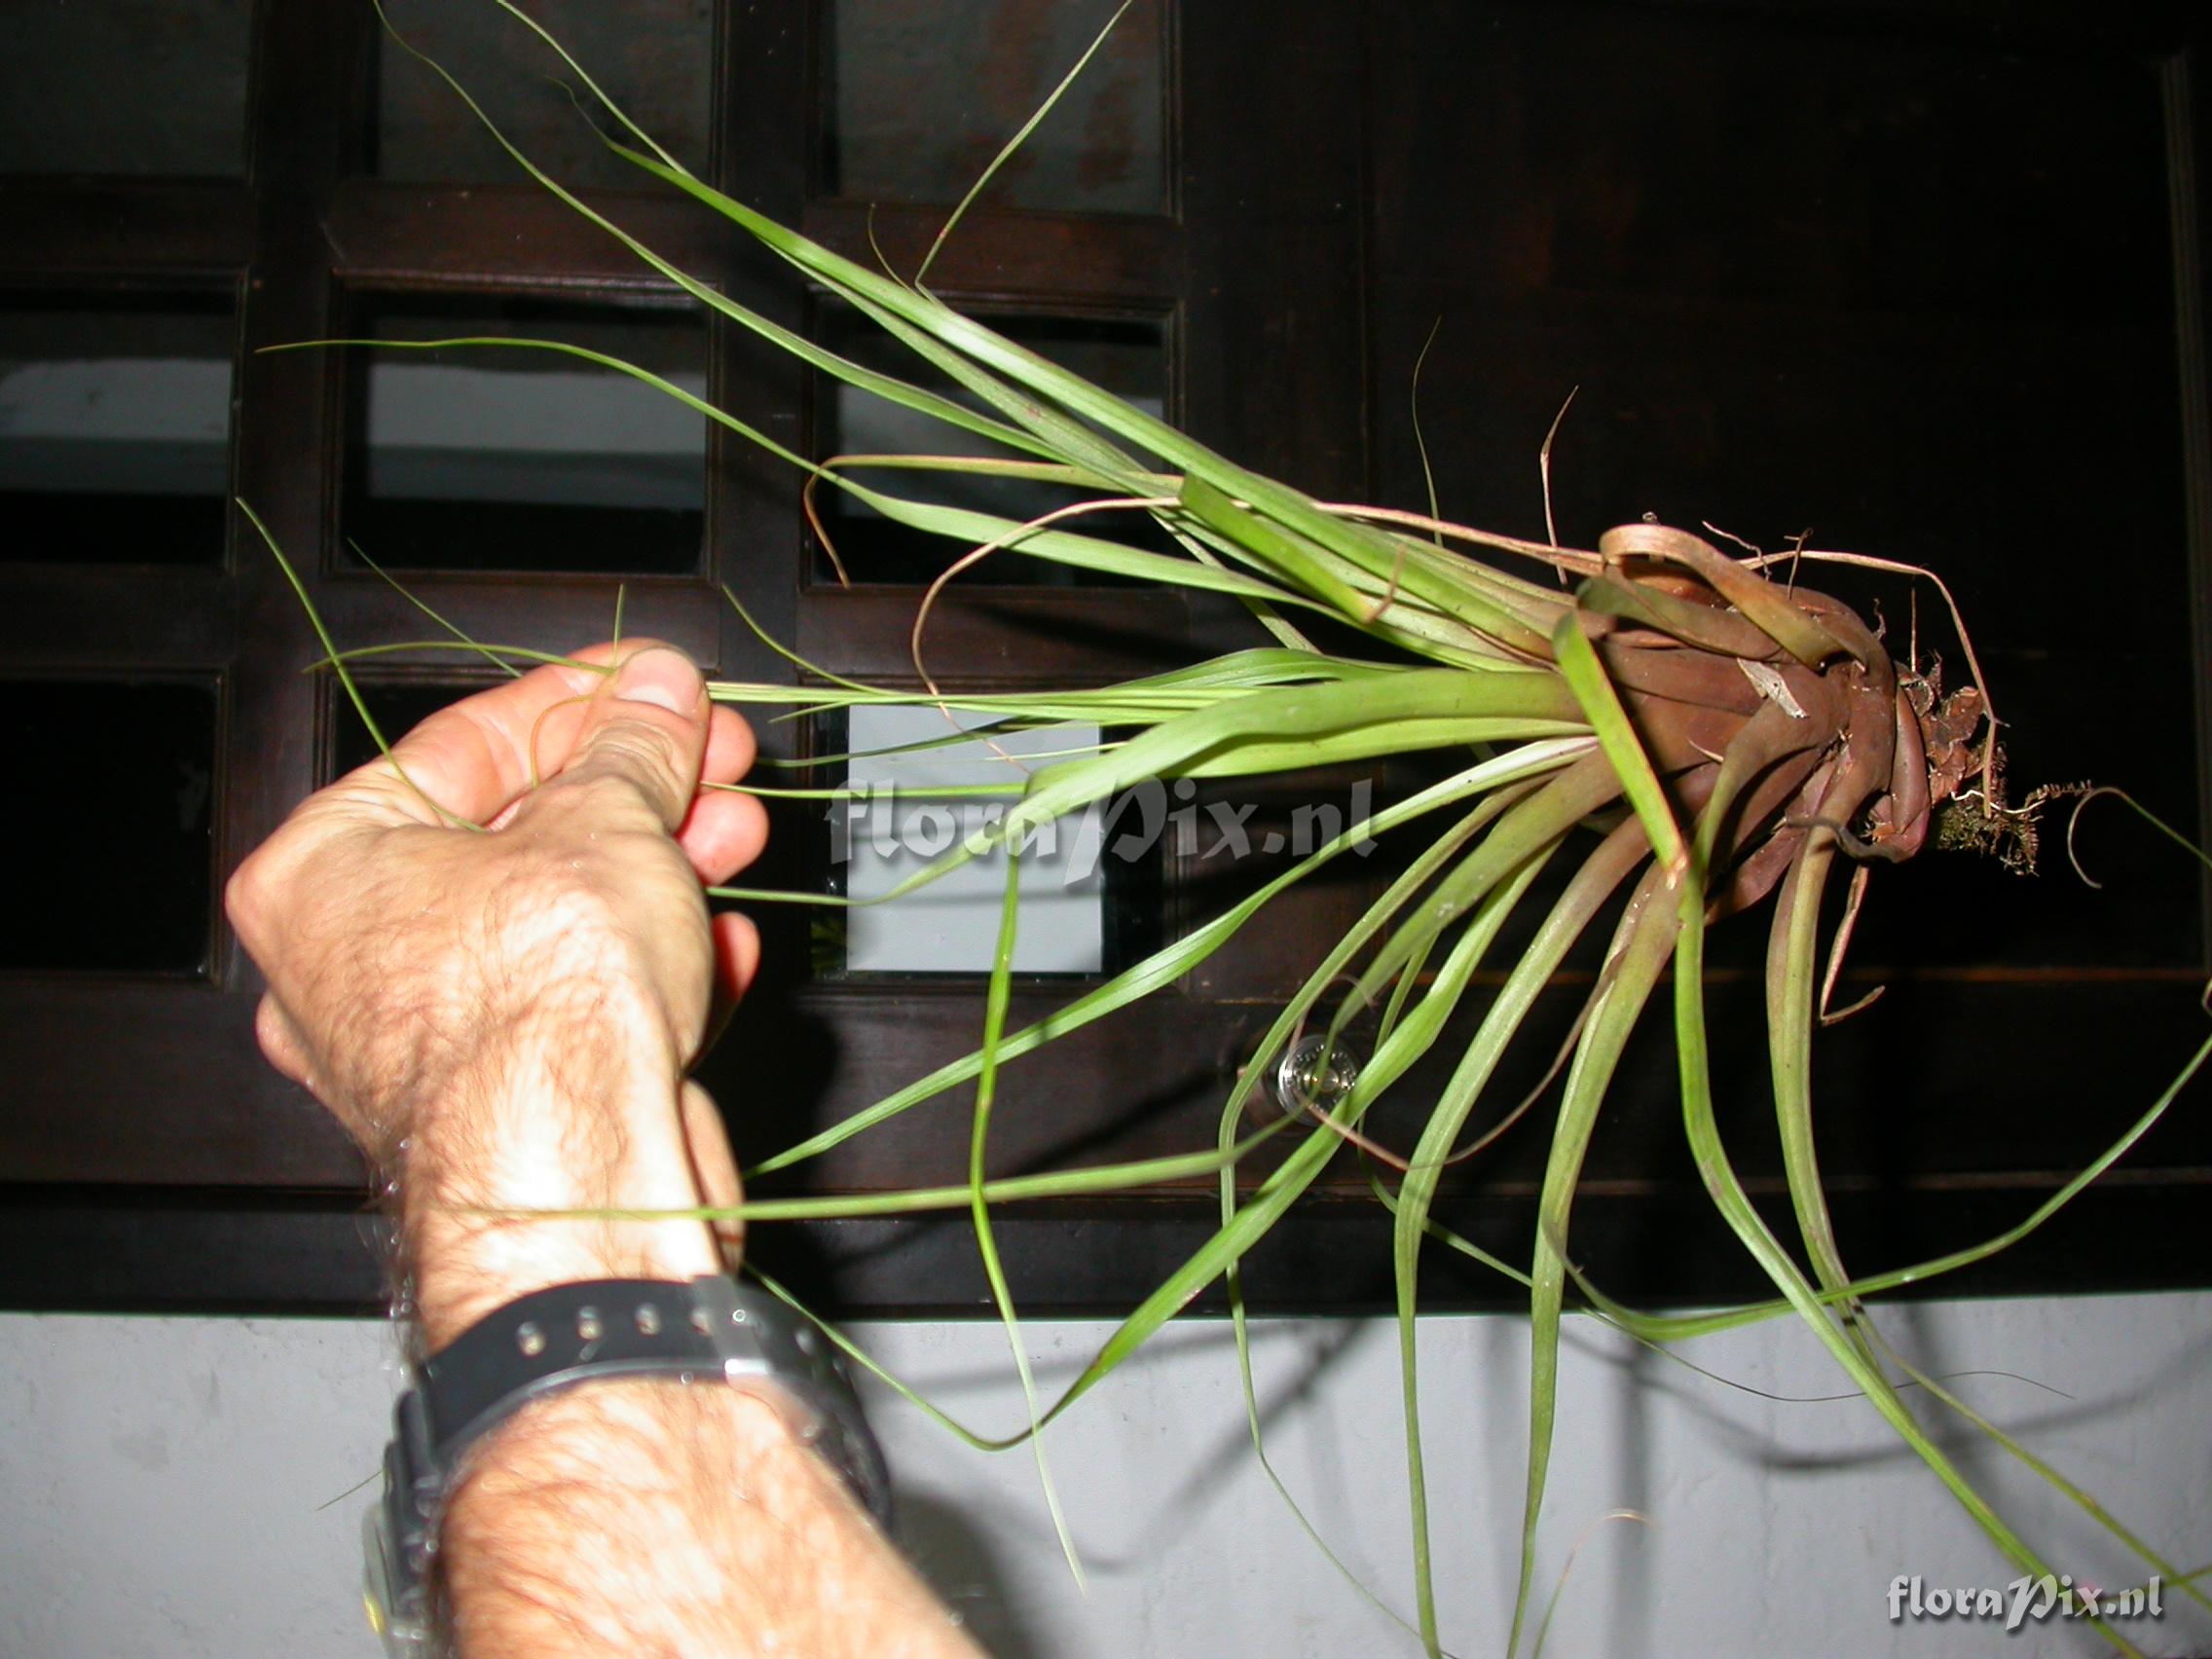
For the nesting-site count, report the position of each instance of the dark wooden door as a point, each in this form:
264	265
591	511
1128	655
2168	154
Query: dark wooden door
1921	282
1833	266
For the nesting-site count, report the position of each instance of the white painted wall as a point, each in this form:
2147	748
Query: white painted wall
175	1486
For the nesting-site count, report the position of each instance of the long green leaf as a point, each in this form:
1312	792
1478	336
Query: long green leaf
1703	1129
1172	961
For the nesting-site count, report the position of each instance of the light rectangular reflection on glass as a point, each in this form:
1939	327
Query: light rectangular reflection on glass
487	457
896	826
115	425
441	431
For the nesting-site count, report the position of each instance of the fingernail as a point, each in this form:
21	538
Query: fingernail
665	678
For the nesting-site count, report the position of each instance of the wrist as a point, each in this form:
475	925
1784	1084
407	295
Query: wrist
462	1274
536	1176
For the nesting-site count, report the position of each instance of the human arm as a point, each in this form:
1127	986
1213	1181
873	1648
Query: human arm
503	1018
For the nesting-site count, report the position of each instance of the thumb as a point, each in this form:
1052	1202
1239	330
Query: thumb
646	725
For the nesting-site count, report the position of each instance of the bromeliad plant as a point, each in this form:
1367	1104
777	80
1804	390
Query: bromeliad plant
1690	729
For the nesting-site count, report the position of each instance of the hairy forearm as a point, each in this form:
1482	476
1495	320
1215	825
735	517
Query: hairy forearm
651	1518
637	1517
556	1113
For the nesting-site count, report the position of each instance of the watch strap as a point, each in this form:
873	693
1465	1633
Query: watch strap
710	1330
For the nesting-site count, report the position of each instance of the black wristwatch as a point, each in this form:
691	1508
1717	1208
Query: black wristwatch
711	1330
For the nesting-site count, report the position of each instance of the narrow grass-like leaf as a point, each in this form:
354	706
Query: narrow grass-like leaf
1703	1129
334	658
1167	1171
980	1208
1173	960
1021	137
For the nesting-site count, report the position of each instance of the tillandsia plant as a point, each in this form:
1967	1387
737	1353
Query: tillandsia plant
1699	735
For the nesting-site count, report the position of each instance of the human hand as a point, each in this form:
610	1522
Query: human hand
503	1019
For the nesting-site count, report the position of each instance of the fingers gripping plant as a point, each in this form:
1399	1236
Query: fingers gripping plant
1704	734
